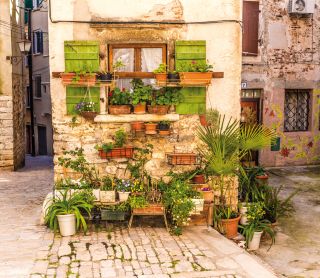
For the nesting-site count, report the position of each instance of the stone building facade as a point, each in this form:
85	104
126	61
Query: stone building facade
151	22
12	135
281	77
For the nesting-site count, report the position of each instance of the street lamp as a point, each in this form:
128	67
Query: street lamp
24	46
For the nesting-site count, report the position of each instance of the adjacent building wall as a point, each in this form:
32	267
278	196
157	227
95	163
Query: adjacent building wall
289	58
12	136
223	50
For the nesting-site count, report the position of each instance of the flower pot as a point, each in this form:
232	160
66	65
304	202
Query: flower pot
102	154
150	209
254	243
208	196
199	179
203	120
96	194
112	215
150	128
67	224
182	158
139	108
198	206
123	196
158	109
90	115
196	78
262	177
230	227
119	109
173	77
164	132
243	212
161	78
125	152
137	126
107	196
78	79
67	77
105	77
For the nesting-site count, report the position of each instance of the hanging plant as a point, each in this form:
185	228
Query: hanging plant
87	108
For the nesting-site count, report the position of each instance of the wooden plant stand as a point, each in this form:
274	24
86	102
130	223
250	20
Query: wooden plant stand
151	210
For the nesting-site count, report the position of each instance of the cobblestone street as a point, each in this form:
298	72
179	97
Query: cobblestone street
28	248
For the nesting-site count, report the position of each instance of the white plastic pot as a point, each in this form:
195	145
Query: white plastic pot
198	206
107	196
67	224
96	194
243	212
255	242
123	196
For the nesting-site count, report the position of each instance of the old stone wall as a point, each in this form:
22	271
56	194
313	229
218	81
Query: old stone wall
222	50
289	58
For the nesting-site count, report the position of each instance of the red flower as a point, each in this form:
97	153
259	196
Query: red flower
310	144
110	94
193	62
272	114
285	152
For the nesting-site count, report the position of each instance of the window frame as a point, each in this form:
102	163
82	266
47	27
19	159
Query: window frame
137	58
36	96
309	98
35	39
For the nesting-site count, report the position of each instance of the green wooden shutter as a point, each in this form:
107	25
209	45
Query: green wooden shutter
76	95
81	56
194	99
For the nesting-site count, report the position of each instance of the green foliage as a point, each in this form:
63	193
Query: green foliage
141	156
66	203
118	97
141	93
225	212
72	184
167	96
194	66
161	69
138	201
118	65
212	117
107	184
120	138
75	160
123	207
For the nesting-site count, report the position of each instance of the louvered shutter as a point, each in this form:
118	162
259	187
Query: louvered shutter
250	28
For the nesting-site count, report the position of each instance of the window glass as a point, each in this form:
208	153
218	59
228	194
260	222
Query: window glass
127	57
150	59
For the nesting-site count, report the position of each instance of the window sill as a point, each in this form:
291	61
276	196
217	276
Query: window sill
135	118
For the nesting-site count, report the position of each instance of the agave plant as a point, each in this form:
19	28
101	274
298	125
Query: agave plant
64	203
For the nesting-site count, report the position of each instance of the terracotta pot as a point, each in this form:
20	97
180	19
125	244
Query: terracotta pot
137	126
67	77
182	158
158	109
119	109
150	209
208	196
151	128
230	227
196	78
164	132
161	78
199	179
203	120
139	108
90	115
262	177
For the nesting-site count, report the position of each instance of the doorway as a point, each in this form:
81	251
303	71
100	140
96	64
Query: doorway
42	140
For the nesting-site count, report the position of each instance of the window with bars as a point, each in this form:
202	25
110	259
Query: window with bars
296	110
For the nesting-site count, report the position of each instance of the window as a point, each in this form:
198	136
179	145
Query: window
296	110
37	3
37	87
28	97
250	28
37	42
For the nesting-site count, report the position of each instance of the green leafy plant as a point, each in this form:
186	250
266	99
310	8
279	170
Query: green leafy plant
107	184
136	167
141	93
194	66
119	97
161	69
122	207
212	117
64	203
120	138
118	65
138	201
167	96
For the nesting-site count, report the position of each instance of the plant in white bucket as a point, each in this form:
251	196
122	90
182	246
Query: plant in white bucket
255	226
124	189
66	212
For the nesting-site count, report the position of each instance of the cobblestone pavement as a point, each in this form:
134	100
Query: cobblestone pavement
30	250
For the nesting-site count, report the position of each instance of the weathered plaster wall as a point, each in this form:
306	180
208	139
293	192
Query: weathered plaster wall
289	58
223	50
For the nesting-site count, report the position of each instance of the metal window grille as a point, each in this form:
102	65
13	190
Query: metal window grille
296	110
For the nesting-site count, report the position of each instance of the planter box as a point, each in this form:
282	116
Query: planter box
69	78
119	109
107	196
158	109
181	158
125	152
195	78
152	209
112	215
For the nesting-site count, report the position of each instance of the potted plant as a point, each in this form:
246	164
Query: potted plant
107	191
195	73
228	220
261	174
66	211
164	128
108	76
161	74
243	212
141	94
116	149
210	117
256	225
138	201
150	128
119	102
85	77
163	99
86	109
207	194
137	126
199	176
115	212
123	188
173	76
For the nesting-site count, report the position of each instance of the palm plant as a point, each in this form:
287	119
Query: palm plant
67	203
